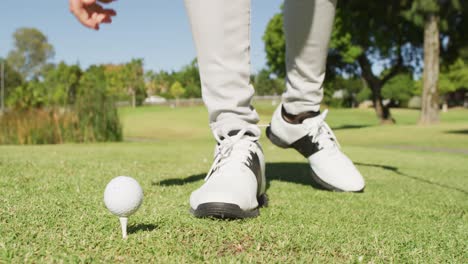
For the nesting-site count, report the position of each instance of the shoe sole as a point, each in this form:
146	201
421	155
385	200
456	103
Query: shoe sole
317	182
227	211
320	184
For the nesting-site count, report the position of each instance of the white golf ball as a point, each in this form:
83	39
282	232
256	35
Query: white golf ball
123	196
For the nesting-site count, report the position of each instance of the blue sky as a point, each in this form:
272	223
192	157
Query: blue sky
157	31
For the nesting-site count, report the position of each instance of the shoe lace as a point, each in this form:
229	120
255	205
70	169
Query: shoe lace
224	150
320	132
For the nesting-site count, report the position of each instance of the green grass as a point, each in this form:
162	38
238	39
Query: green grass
414	208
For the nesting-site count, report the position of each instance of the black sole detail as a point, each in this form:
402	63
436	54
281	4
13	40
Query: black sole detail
320	184
276	140
227	210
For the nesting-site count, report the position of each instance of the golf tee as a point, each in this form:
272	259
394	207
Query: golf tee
123	224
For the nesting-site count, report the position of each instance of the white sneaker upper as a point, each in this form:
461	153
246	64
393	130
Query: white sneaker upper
237	175
314	139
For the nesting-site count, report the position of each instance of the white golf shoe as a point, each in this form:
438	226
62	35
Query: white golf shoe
235	185
314	139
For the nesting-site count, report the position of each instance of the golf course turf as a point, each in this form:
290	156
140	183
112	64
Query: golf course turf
414	208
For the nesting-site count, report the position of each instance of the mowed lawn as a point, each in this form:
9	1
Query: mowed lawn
414	208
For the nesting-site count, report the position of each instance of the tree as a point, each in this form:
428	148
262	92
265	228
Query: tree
31	52
62	83
440	19
96	109
384	39
359	42
134	79
453	78
176	91
189	77
161	82
127	79
29	95
275	45
116	82
12	80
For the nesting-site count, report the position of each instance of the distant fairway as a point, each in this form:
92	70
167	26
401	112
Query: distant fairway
414	208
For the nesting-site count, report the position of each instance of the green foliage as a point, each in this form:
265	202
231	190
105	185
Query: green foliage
159	82
126	80
376	30
13	78
32	94
445	84
420	8
265	85
275	46
37	118
177	90
62	84
341	42
365	34
400	89
452	22
116	82
189	77
364	94
134	79
349	88
455	78
31	52
96	108
451	78
58	89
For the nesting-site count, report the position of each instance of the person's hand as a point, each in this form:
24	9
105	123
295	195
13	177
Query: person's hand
91	13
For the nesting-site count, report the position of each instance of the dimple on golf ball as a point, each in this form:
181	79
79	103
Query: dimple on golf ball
123	196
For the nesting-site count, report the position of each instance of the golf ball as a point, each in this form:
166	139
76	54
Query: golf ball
123	196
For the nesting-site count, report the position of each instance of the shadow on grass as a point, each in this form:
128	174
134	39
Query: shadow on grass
343	127
398	172
299	173
294	172
288	172
459	131
141	228
180	181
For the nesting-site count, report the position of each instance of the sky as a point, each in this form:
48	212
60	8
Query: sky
156	30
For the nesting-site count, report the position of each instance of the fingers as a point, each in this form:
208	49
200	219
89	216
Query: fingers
106	20
109	12
90	13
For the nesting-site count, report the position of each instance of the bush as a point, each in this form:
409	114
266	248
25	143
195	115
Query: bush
400	89
39	126
92	118
95	108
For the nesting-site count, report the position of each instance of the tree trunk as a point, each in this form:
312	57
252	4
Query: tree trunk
430	98
375	84
133	98
382	111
